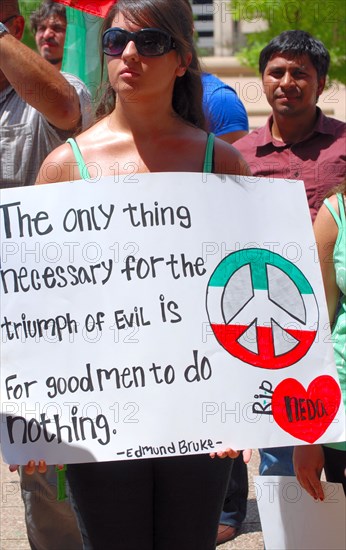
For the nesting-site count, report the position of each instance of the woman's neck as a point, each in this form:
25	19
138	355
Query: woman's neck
143	117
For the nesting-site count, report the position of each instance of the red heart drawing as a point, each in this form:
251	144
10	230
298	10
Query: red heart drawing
306	414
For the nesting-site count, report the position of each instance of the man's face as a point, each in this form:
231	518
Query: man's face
50	38
291	84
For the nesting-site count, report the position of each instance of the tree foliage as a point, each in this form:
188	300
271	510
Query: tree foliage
324	19
26	7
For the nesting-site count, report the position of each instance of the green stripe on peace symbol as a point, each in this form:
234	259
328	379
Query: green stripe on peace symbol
258	259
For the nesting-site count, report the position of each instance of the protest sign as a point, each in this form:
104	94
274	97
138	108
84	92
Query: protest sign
291	518
162	314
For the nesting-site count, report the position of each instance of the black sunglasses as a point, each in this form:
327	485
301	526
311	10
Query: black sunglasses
149	42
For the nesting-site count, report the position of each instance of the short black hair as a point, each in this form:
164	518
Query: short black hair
47	9
297	43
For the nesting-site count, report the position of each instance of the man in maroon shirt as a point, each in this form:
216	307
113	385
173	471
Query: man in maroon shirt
298	140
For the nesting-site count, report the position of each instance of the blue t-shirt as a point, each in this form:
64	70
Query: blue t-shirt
222	107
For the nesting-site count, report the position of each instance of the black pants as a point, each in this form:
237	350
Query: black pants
334	466
151	504
235	505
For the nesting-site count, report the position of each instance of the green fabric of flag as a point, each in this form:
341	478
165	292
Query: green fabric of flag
82	48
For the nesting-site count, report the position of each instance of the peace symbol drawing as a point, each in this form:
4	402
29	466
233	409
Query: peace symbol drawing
262	309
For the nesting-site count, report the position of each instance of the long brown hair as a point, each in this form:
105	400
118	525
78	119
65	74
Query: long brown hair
176	18
340	188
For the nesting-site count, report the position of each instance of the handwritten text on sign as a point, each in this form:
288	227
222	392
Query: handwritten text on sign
156	317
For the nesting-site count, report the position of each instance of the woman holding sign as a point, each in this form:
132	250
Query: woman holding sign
152	121
330	233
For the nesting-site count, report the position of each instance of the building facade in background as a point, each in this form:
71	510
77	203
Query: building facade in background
219	31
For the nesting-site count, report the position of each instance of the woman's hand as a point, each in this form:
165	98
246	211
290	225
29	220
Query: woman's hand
308	462
247	454
30	467
228	453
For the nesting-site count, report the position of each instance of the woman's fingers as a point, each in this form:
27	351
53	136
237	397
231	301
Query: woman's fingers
42	467
231	453
228	453
312	485
247	454
315	489
30	467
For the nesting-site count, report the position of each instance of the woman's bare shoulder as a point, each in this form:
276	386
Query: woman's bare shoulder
325	227
61	164
334	202
228	160
56	167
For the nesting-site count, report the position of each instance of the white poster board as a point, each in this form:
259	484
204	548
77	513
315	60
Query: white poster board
291	518
171	314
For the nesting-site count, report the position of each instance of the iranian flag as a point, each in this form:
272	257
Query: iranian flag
262	309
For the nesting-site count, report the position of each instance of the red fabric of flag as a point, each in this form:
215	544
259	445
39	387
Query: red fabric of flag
96	7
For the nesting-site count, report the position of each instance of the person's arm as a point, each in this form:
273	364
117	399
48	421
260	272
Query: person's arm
326	232
308	460
39	83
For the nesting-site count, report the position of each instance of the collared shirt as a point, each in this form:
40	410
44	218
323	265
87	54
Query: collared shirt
319	159
27	137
